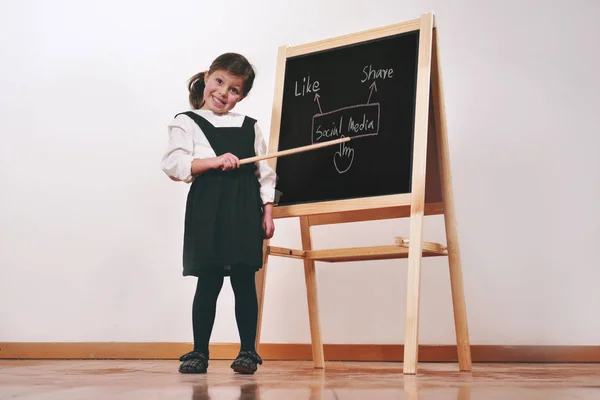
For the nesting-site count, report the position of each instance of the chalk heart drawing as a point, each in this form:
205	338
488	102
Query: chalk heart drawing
343	158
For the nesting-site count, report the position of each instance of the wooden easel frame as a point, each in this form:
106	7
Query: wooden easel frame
431	194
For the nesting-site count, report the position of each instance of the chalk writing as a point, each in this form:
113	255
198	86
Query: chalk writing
353	121
362	126
334	131
376	74
306	87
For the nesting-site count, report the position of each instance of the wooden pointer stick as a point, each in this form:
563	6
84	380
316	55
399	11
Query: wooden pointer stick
294	150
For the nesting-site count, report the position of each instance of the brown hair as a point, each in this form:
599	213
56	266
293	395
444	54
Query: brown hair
234	63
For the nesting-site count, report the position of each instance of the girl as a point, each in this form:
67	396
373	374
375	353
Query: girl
229	206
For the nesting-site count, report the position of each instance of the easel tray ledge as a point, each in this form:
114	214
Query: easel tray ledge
388	252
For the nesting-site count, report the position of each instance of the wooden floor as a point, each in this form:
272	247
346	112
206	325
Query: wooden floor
287	380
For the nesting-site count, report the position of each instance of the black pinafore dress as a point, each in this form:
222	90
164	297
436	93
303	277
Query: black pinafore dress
223	217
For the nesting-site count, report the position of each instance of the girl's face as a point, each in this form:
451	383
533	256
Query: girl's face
222	91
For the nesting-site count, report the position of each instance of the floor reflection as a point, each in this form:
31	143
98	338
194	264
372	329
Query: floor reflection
319	385
247	391
140	379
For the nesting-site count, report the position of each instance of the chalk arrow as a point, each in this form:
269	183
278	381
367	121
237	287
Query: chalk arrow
318	103
372	87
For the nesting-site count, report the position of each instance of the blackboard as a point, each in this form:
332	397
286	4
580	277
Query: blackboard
365	91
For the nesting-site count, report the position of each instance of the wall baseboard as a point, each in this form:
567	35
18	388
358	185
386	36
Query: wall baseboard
297	352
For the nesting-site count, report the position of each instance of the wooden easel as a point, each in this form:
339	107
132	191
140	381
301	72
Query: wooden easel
431	194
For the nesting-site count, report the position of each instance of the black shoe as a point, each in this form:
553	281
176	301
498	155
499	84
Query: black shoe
194	362
246	362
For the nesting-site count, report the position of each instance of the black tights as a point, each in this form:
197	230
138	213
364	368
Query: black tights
205	305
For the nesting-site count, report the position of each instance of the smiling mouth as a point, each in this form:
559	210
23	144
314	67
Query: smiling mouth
219	100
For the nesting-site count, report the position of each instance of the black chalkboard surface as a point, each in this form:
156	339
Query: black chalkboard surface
365	91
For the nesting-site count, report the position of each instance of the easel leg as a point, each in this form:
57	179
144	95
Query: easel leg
456	279
417	207
458	295
311	296
413	295
261	279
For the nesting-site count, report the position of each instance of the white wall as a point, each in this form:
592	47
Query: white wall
91	229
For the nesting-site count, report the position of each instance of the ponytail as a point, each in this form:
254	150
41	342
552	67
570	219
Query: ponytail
196	88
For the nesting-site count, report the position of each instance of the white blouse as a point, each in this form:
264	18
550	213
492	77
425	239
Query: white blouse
187	142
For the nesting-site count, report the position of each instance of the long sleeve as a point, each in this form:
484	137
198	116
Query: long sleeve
177	160
266	175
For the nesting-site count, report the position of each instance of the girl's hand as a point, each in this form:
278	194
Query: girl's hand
267	221
227	161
